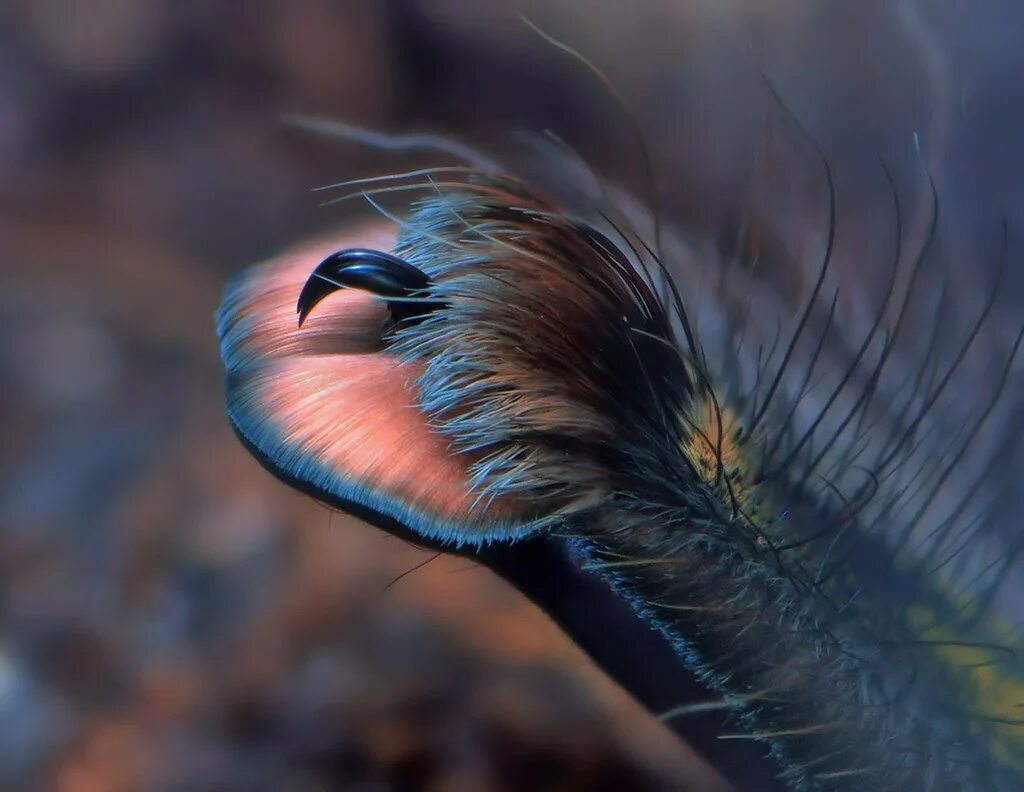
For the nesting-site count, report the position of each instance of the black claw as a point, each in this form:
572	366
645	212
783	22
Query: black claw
373	271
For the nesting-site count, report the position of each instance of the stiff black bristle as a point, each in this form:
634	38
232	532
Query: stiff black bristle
785	500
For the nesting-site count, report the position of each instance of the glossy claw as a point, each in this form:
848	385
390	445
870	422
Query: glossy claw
373	271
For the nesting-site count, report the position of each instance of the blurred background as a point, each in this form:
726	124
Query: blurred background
170	616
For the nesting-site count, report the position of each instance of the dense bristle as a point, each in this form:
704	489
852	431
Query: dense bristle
808	509
765	535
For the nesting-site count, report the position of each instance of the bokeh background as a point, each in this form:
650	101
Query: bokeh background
171	617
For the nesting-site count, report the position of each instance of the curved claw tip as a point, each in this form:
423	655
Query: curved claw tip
372	270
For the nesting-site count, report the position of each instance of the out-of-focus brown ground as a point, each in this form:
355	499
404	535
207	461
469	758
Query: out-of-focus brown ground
171	617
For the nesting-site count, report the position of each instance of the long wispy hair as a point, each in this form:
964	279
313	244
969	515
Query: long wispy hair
817	510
